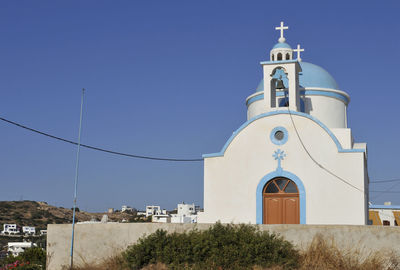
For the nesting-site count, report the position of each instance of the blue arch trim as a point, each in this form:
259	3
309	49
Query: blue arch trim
280	173
248	122
306	93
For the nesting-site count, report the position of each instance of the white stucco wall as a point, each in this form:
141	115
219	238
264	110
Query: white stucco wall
329	110
230	181
94	243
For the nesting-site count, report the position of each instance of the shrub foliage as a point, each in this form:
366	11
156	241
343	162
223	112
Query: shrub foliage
219	247
31	259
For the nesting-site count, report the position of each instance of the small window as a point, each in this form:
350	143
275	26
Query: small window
273	57
272	188
287	56
279	135
386	223
279	56
291	188
281	183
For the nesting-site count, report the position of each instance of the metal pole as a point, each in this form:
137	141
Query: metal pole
76	180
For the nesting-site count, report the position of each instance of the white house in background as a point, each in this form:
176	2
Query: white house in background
15	248
152	210
10	229
294	160
161	218
126	208
43	232
385	215
28	230
186	213
141	213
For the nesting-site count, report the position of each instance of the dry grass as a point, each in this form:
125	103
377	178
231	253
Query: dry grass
112	263
321	254
324	254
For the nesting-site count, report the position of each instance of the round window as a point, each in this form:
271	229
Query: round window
279	135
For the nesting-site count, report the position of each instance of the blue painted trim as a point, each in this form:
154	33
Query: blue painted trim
255	98
276	62
248	122
285	136
326	94
306	93
396	207
266	179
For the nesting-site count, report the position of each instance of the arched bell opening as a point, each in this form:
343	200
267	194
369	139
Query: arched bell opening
281	202
278	82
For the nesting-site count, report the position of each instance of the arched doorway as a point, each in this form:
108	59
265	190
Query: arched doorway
281	203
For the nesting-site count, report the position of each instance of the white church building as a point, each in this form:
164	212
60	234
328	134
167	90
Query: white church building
294	161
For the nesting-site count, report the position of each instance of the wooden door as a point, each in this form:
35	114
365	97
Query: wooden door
281	202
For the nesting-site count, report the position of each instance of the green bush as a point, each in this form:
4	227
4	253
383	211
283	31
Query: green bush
219	247
35	256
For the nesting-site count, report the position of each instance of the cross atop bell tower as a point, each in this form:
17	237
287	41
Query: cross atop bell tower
282	62
282	28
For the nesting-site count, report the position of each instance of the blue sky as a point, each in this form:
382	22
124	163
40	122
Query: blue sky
170	79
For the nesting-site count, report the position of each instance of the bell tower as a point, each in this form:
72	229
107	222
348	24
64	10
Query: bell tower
281	60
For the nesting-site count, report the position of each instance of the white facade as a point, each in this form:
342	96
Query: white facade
126	208
184	219
28	230
186	213
15	248
10	229
185	209
154	210
296	129
161	218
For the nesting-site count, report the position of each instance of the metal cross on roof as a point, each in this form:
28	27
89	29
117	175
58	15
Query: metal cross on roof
282	28
298	50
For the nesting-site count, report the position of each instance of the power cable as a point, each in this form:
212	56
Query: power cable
384	181
316	162
384	191
381	192
100	149
171	159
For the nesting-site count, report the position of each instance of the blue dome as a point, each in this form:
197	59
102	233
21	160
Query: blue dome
281	45
311	76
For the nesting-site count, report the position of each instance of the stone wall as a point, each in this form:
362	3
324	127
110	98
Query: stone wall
96	242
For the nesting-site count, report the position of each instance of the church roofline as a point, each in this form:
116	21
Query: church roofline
245	124
278	62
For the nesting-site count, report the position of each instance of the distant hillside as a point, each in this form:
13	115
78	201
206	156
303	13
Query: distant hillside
39	214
